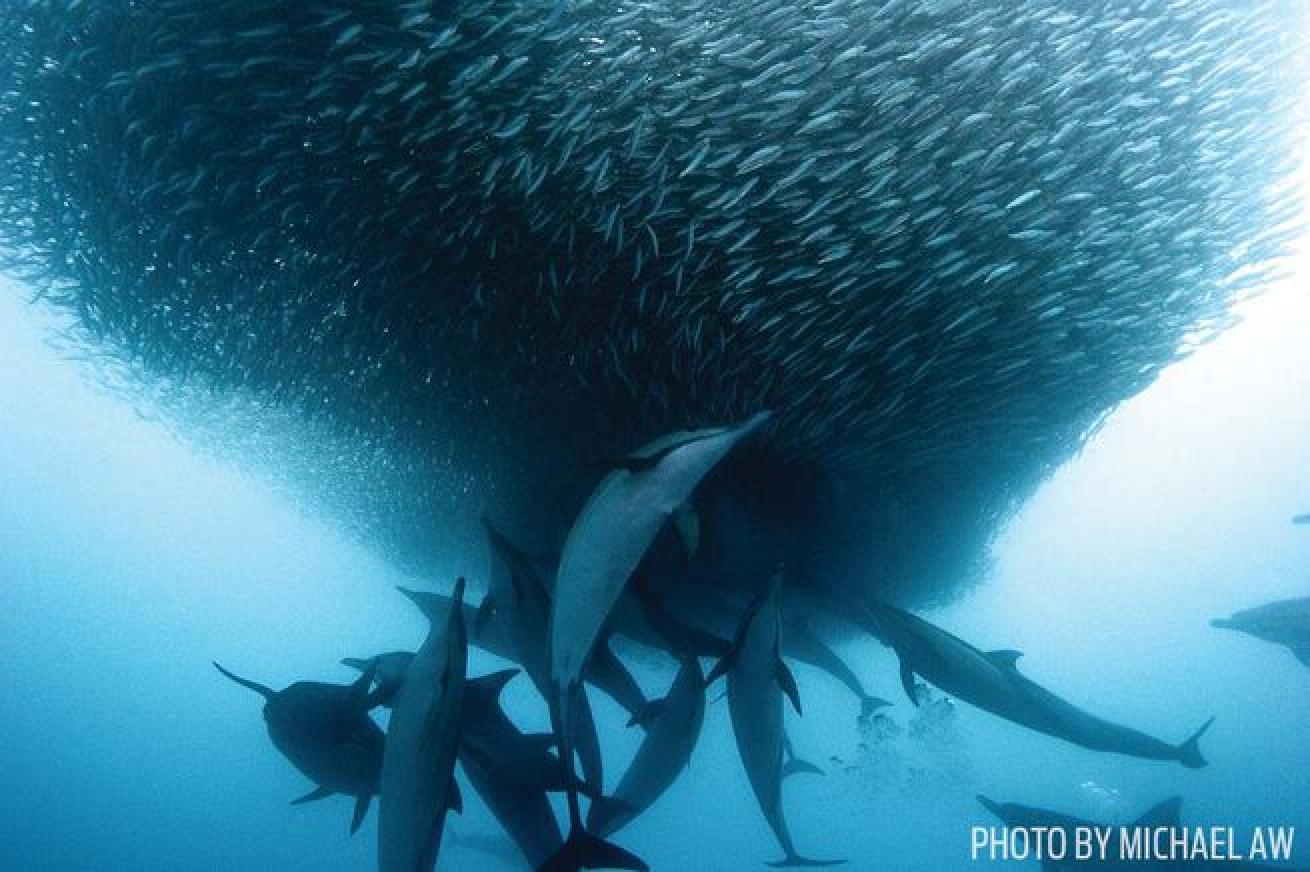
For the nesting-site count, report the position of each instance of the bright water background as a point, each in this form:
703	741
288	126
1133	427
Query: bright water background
128	561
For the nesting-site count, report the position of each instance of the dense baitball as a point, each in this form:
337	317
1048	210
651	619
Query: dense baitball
492	244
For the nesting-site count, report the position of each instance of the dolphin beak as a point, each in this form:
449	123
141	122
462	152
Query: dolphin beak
1223	623
991	806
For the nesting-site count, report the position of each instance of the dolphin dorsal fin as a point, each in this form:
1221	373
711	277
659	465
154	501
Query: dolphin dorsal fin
1162	814
787	682
359	689
1005	657
495	682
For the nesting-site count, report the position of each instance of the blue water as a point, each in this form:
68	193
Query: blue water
128	561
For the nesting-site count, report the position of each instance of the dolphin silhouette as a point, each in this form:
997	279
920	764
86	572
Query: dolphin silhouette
325	731
757	681
992	682
417	785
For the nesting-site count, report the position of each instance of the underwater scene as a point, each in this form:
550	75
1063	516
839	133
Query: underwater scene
654	434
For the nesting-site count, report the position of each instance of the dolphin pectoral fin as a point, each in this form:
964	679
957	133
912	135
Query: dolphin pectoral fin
870	704
1006	658
455	798
646	715
787	682
907	682
482	616
1189	752
1163	814
687	525
361	811
721	668
1302	653
313	796
797	766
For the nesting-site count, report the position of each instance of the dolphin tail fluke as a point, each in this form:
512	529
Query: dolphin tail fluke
870	704
361	811
265	692
584	850
1189	752
794	861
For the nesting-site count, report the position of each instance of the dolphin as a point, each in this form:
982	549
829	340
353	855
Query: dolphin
992	682
1302	519
422	742
1163	814
511	771
614	529
522	606
1285	622
757	681
388	672
325	731
673	725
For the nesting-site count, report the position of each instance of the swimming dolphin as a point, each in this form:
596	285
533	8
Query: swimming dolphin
1301	519
422	742
325	732
614	529
1285	622
511	771
522	605
1163	814
388	672
757	682
673	725
992	682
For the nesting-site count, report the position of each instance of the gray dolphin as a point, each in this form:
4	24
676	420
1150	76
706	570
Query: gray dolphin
511	771
522	607
1285	622
992	682
1162	814
422	742
614	529
325	732
757	682
673	725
